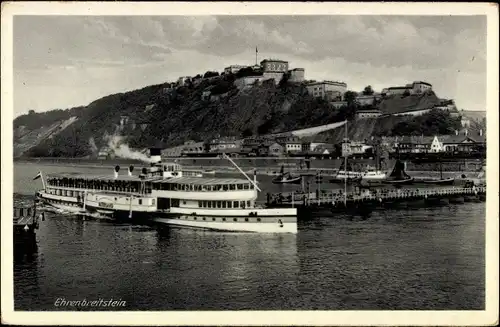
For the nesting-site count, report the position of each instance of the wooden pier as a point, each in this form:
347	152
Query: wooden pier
367	200
25	224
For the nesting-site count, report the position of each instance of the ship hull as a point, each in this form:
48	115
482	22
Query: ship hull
268	225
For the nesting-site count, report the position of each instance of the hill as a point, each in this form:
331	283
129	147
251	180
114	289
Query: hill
435	122
161	116
165	116
415	102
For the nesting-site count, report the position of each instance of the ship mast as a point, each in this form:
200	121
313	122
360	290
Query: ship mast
345	167
241	171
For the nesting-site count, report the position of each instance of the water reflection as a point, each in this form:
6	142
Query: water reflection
395	259
237	271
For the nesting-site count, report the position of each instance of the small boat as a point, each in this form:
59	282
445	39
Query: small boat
286	178
209	172
346	175
372	174
445	181
398	175
441	180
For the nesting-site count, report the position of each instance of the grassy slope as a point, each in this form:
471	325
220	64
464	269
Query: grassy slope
183	115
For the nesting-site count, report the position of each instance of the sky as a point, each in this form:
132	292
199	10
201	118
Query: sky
66	61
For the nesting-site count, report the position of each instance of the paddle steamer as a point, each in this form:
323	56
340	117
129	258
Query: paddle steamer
163	194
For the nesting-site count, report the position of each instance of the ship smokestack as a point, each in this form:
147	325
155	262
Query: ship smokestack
130	170
155	155
117	169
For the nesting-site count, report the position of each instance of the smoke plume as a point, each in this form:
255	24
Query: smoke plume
92	145
122	150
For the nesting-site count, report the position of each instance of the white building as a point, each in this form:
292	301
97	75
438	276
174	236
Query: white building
297	75
436	145
233	69
398	90
314	145
420	87
274	65
327	89
352	147
417	87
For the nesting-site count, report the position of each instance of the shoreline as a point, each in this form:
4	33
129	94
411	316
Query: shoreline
268	171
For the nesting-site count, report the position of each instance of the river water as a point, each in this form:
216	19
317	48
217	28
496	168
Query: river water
430	258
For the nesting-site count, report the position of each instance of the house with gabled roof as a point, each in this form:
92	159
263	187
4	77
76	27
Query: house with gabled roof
416	144
462	143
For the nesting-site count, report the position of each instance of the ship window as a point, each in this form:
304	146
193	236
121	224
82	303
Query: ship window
210	204
224	204
232	187
200	204
153	201
242	204
183	201
236	204
204	218
213	218
248	204
245	186
225	187
140	201
223	219
240	186
251	186
246	218
258	219
229	204
235	219
219	204
195	218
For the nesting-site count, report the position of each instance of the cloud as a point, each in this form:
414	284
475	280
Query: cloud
86	57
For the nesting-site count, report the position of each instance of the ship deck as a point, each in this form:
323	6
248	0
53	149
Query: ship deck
155	179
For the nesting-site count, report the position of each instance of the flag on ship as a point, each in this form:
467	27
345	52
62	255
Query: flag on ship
38	176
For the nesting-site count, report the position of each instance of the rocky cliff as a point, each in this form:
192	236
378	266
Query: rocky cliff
162	116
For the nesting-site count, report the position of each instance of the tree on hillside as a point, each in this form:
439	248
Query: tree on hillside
284	80
246	132
350	97
368	90
435	122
